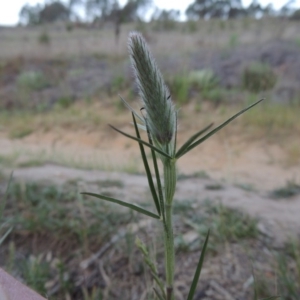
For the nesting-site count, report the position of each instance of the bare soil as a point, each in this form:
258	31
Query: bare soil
241	174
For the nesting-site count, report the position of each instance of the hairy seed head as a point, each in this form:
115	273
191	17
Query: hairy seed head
161	114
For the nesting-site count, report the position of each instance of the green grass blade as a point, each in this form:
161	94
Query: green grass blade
4	236
129	205
175	138
198	270
271	298
143	142
2	205
191	140
159	187
147	169
157	175
131	109
189	148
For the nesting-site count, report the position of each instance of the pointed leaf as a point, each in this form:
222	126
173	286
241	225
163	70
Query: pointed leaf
131	109
157	175
198	270
175	138
217	129
141	141
147	169
129	205
191	140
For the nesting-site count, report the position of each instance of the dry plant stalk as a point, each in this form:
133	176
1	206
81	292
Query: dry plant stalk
160	123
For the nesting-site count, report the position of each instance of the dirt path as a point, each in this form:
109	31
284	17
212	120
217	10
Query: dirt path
246	170
278	218
227	158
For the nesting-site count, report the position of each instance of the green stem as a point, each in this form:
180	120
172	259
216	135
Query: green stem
169	252
170	185
169	179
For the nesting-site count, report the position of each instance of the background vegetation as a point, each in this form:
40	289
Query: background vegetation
60	74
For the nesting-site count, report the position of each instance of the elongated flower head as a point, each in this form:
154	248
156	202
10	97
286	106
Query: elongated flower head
161	114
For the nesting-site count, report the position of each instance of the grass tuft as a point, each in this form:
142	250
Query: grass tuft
57	211
32	81
288	268
258	77
225	224
291	189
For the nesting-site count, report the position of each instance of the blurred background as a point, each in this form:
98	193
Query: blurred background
63	65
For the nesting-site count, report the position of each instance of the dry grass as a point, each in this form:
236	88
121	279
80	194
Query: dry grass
79	42
278	124
93	115
293	153
84	125
274	118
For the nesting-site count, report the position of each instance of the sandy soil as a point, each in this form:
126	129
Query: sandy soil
231	159
257	167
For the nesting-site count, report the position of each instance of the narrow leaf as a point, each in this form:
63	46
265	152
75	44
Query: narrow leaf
131	109
4	236
147	169
175	138
141	141
191	140
198	270
189	148
157	175
129	205
2	205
